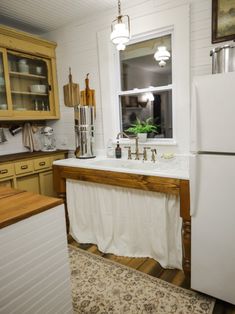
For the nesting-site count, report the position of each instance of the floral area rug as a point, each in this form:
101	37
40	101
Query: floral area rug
105	287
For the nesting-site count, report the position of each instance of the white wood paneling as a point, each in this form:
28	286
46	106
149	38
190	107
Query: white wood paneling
78	48
43	16
35	276
77	41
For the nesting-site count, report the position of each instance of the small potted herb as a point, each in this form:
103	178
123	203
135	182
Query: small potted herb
142	128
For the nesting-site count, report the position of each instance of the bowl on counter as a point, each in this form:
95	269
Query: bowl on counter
40	89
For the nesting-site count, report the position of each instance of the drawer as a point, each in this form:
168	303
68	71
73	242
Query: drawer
24	166
6	171
42	163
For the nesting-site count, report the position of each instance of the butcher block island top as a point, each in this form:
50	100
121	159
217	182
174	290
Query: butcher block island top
16	205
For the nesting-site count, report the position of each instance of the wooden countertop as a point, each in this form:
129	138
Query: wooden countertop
17	205
25	155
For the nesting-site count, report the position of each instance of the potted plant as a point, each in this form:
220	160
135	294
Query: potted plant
142	128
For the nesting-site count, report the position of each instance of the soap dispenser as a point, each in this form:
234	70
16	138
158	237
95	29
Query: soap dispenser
118	151
110	149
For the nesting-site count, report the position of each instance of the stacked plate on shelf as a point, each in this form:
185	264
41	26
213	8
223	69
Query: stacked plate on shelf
40	89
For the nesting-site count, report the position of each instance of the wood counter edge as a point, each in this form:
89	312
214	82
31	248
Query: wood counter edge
7	219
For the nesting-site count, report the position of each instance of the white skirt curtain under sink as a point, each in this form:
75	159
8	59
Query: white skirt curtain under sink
126	222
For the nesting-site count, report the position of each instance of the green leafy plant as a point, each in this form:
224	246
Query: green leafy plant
142	127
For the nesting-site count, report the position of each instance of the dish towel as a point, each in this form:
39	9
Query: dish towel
28	138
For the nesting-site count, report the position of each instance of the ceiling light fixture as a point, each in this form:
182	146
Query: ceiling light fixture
120	29
162	55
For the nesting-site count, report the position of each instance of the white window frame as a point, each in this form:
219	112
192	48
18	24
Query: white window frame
169	87
145	26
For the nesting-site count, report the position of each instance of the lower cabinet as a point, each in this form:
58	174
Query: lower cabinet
8	183
46	183
29	183
33	174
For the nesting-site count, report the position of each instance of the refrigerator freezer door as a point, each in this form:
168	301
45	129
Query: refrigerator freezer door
213	226
213	113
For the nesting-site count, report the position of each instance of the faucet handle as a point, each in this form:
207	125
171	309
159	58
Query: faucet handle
145	153
154	154
129	151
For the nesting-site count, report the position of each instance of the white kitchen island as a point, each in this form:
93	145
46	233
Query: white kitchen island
34	263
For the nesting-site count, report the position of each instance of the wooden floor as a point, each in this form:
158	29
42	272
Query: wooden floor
153	268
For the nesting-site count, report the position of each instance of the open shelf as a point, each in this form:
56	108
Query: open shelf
27	75
27	93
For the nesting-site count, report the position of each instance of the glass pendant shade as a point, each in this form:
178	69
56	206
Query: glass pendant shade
121	47
162	54
120	34
120	29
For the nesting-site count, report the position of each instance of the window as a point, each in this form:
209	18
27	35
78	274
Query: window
146	90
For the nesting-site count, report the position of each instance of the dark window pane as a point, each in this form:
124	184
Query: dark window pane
139	69
154	105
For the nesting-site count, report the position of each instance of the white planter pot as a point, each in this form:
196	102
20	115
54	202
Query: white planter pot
142	137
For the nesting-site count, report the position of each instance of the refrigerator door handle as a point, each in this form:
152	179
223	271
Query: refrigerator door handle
194	178
194	119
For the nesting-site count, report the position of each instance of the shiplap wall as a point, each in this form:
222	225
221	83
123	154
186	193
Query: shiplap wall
35	275
77	47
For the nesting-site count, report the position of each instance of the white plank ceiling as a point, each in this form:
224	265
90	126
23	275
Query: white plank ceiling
40	16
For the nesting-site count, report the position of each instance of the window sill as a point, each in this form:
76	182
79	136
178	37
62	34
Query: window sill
158	142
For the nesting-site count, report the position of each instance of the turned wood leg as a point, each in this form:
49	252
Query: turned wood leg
186	242
186	226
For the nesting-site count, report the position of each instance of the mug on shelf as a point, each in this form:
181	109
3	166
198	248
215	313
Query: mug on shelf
23	66
38	70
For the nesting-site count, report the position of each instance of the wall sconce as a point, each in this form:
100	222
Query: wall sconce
162	55
120	29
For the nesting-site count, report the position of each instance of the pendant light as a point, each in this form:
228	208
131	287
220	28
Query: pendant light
162	55
120	29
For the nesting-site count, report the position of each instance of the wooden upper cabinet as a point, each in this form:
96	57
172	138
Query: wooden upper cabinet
28	83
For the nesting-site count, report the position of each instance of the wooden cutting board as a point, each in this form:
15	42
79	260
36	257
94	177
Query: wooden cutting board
88	95
71	93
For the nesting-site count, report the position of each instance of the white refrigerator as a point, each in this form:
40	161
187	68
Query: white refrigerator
212	185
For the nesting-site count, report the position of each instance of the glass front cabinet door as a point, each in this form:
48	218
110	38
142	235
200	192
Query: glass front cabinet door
28	84
4	97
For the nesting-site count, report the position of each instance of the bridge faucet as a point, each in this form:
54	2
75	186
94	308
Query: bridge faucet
136	153
122	133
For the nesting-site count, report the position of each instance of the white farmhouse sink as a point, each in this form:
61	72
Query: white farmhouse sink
174	168
126	164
